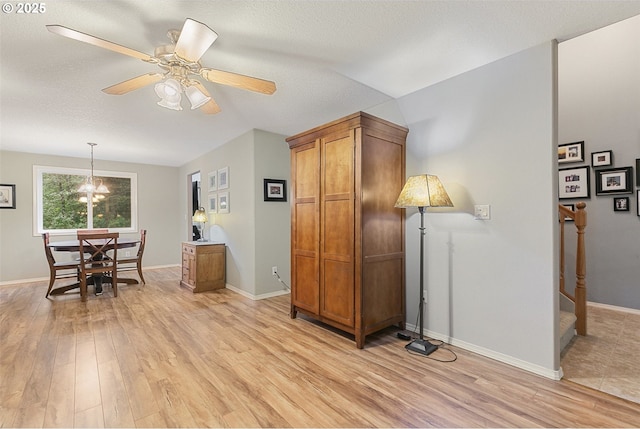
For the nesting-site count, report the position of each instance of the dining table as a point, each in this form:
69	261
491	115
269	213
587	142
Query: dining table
96	279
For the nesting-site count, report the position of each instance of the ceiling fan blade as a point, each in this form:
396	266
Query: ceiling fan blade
92	40
133	84
210	107
238	80
195	38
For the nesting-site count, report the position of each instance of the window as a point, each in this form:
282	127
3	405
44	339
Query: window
58	208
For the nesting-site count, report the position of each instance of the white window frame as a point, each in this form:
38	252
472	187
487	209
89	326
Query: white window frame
38	219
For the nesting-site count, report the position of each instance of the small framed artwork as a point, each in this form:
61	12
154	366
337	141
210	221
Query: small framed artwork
601	159
213	181
213	203
7	196
614	181
571	207
223	202
621	204
223	178
275	190
637	172
638	202
571	152
574	183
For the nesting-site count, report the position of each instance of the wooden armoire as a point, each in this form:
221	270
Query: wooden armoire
347	239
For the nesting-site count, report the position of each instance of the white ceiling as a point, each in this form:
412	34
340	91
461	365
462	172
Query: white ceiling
328	59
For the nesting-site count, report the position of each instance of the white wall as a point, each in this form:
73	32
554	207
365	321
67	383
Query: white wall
272	219
489	135
255	232
599	103
21	254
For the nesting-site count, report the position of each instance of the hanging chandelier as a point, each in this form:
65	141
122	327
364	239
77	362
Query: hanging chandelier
89	186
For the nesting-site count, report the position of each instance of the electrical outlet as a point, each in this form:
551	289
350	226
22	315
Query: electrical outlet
127	253
274	270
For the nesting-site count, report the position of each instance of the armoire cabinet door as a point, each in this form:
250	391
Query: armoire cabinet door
305	170
337	293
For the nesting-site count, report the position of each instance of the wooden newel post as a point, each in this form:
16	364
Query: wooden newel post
581	270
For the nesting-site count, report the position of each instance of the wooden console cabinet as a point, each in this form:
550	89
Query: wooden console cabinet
203	265
347	239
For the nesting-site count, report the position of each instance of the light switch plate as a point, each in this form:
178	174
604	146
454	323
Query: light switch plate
482	212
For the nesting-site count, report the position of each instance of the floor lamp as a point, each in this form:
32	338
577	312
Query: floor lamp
422	191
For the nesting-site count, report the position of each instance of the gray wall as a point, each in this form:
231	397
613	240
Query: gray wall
489	135
599	102
256	232
21	253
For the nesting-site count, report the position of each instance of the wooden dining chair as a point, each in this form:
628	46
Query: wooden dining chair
59	269
98	256
134	262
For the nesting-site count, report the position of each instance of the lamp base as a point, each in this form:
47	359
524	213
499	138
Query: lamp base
423	347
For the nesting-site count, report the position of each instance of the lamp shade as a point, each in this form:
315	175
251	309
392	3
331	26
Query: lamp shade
200	215
424	190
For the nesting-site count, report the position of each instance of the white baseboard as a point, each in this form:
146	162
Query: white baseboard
613	307
500	357
40	279
256	297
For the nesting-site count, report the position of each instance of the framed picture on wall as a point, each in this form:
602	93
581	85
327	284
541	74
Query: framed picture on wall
621	204
213	181
213	203
223	202
601	159
571	207
638	202
571	152
223	178
574	183
637	172
7	196
275	190
614	181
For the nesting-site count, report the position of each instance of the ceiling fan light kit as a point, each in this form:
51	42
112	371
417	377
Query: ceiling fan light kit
180	60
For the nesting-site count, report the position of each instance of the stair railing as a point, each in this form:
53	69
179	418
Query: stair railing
579	297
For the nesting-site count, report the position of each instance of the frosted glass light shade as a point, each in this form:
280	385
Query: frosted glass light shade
196	97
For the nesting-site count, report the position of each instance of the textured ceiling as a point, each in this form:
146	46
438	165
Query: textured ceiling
328	59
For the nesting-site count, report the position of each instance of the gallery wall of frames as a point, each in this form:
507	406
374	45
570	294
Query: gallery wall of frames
609	180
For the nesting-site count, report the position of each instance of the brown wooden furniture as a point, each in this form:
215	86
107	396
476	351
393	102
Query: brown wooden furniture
96	257
128	263
74	246
58	270
347	239
203	266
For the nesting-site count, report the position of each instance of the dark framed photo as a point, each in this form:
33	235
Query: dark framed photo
7	196
602	159
574	183
614	181
637	172
571	152
275	190
621	204
571	207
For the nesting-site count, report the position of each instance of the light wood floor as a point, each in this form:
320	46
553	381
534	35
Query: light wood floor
160	356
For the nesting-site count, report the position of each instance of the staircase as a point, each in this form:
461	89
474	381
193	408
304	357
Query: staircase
573	307
567	321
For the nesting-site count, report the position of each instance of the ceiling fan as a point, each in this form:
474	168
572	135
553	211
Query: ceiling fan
180	62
